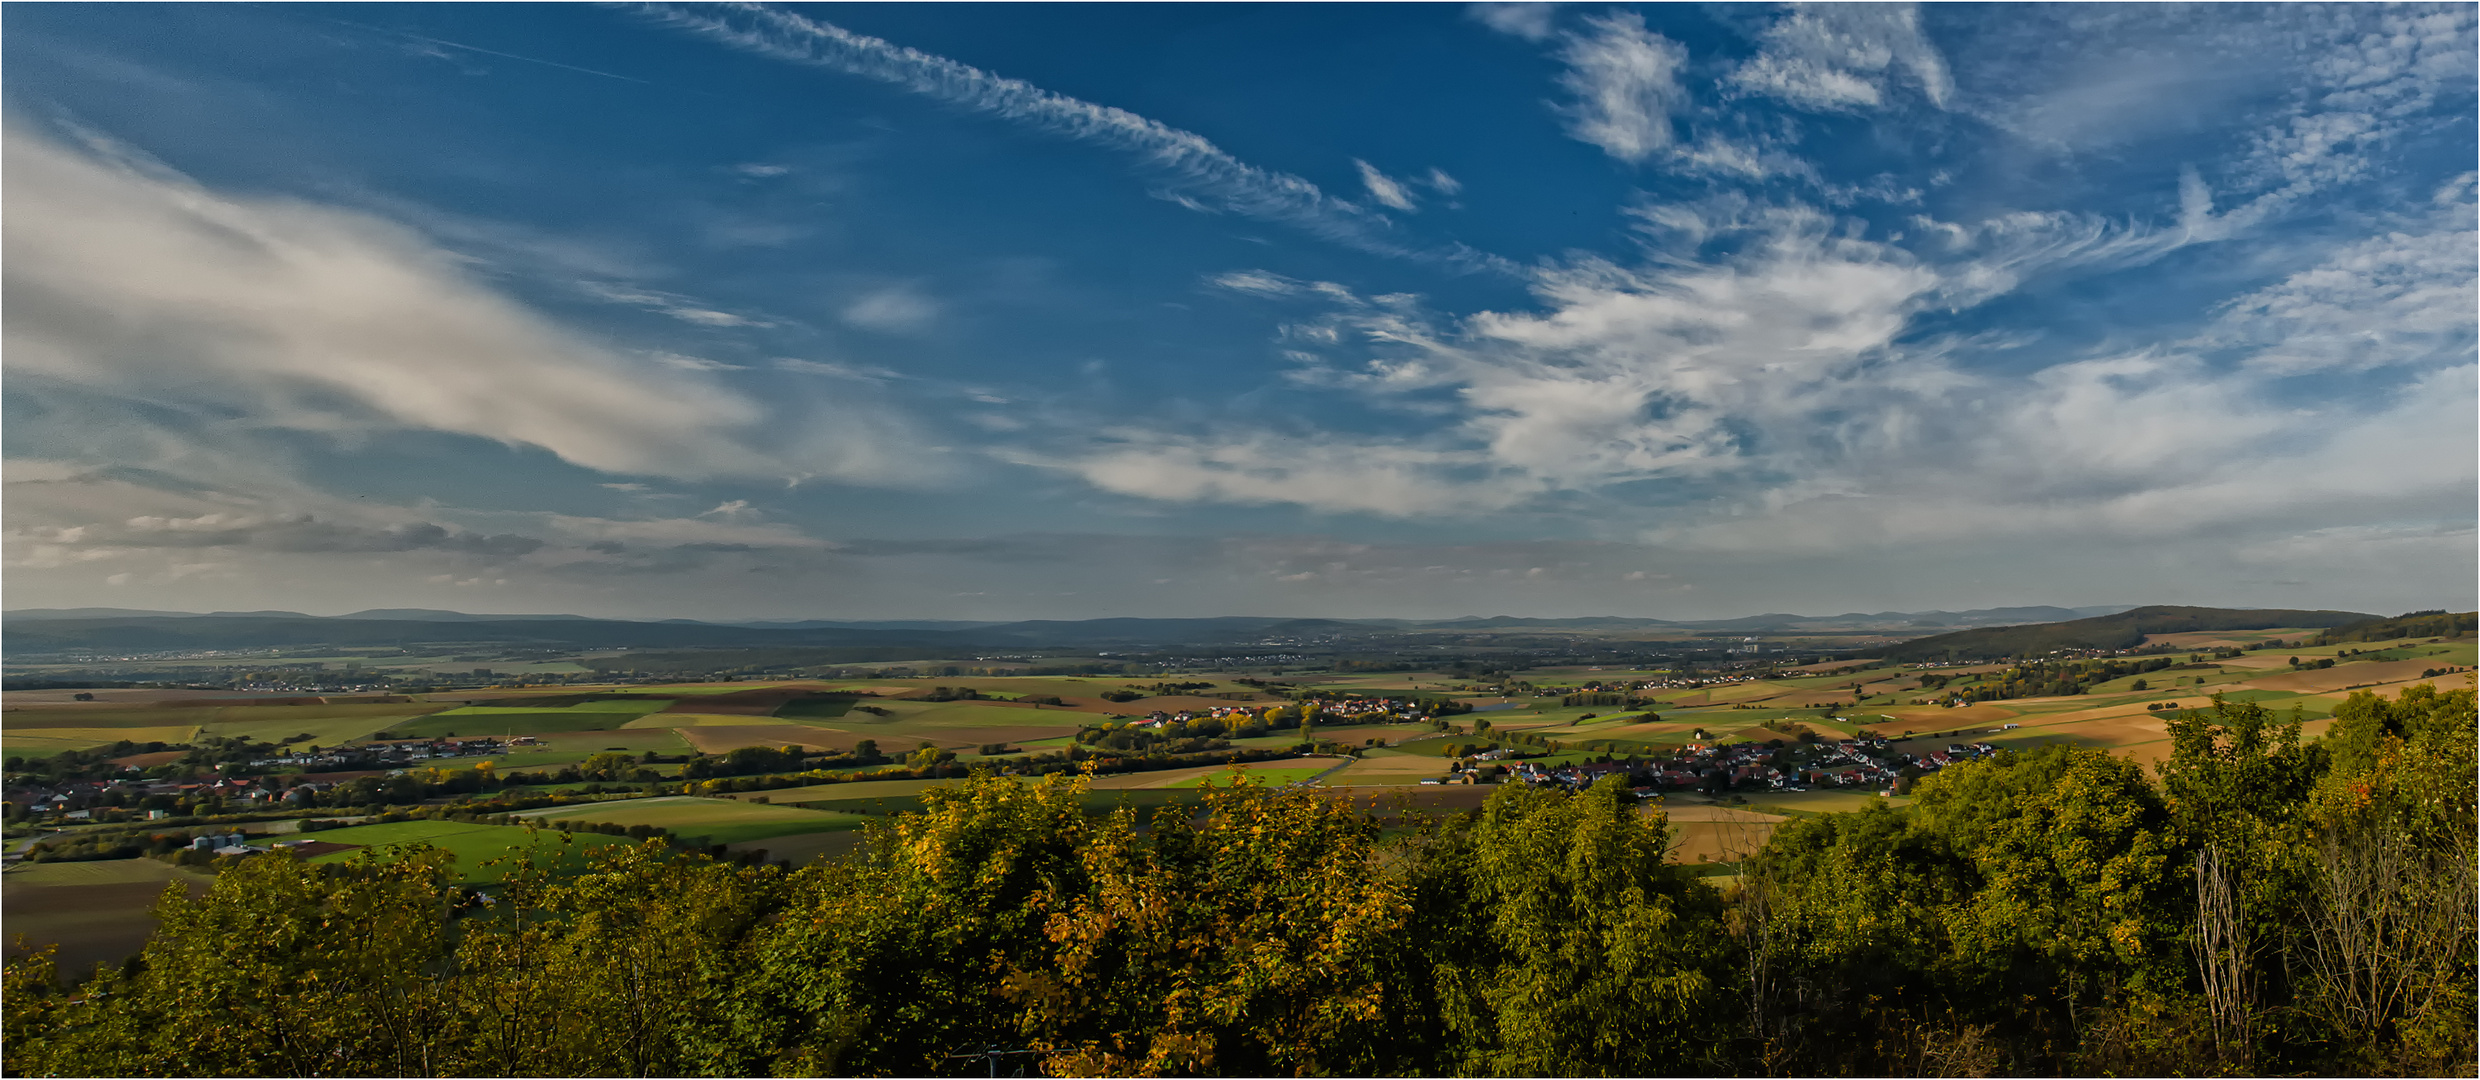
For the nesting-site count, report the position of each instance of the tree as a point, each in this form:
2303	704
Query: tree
1580	951
886	962
2235	781
2391	917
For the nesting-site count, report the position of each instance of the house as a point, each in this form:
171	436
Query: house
233	843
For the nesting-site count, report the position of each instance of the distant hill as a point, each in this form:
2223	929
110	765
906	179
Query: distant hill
2123	630
2417	624
40	614
433	615
115	630
154	634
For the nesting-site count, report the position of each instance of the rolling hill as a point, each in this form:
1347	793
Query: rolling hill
2123	630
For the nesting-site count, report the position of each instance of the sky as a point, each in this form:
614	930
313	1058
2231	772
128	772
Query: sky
1067	311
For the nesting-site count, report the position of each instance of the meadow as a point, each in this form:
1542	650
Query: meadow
484	853
705	821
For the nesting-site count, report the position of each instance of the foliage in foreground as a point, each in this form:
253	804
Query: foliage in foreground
2260	906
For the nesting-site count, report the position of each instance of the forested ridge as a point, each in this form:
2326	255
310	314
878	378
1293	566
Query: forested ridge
2258	904
2124	630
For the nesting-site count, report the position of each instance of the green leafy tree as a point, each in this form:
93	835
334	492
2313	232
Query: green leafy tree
1583	951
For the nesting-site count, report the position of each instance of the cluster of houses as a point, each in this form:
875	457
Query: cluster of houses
1858	763
1231	715
1372	710
1355	709
77	800
394	754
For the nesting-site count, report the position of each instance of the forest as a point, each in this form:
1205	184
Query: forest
2257	904
2124	630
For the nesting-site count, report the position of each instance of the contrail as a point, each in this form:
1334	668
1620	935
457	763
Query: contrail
410	36
1219	180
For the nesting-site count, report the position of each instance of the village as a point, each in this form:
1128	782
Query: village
155	786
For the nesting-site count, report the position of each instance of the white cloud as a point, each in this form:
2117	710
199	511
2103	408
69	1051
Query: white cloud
2325	90
685	309
169	326
1385	189
894	310
1256	282
1530	21
1624	80
836	370
1336	475
2388	300
691	363
1832	57
1778	398
125	279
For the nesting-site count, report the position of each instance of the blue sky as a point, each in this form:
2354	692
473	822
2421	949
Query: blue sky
1070	310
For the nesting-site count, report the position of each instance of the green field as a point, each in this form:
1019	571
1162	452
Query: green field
600	705
473	845
1289	775
715	821
497	721
820	708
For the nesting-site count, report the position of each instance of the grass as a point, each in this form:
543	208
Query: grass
80	738
508	722
20	744
605	705
717	821
817	708
106	872
1290	775
473	845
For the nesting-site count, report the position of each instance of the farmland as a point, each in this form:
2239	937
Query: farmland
659	729
567	724
97	913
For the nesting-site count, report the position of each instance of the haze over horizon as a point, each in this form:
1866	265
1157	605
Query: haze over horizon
999	312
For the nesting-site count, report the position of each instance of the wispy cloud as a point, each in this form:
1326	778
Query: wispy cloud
433	44
127	279
683	308
896	309
1779	395
199	319
835	370
1624	80
1830	57
1532	21
2396	299
1386	189
1195	171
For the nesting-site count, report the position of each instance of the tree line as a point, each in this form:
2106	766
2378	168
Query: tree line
2256	904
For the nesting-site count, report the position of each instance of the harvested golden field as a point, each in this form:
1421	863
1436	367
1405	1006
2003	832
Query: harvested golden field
801	849
2345	675
1718	833
1934	718
720	739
